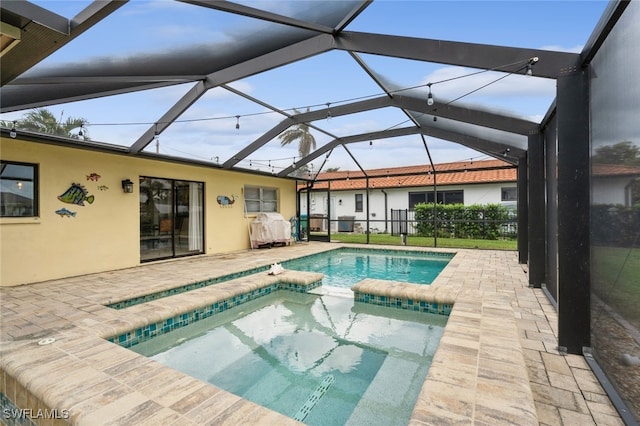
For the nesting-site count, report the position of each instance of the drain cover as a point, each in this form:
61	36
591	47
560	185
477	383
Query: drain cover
314	397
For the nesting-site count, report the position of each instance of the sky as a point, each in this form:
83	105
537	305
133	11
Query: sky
207	130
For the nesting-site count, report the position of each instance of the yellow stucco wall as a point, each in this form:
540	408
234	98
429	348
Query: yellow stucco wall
105	235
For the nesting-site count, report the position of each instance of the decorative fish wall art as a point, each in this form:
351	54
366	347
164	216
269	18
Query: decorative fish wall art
64	212
93	176
103	187
76	194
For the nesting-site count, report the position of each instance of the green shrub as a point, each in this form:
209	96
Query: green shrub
478	221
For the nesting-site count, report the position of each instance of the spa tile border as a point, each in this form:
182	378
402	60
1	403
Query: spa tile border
406	304
187	287
143	334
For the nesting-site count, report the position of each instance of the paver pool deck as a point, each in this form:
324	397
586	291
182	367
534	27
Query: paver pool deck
497	362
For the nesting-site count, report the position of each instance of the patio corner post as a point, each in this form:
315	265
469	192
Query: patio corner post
574	317
537	213
523	211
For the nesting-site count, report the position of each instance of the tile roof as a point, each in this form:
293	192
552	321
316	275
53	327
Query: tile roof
602	170
457	173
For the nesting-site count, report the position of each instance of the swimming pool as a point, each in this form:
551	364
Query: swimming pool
323	360
346	267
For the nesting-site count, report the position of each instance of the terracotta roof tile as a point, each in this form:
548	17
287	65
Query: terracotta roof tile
458	173
599	169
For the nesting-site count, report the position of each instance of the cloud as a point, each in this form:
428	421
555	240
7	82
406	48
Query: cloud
449	83
558	48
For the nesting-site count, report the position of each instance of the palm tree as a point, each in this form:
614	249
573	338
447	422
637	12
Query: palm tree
300	132
42	120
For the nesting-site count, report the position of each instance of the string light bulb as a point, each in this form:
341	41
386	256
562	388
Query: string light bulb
237	122
13	132
156	137
532	62
430	100
328	110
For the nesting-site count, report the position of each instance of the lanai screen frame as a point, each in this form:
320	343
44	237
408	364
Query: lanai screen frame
569	69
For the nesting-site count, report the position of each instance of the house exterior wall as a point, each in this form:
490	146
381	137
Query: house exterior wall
610	190
397	198
105	235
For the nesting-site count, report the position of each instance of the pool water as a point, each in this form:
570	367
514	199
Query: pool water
323	360
344	267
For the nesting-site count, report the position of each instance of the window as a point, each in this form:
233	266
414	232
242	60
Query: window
260	200
358	202
19	189
509	194
444	197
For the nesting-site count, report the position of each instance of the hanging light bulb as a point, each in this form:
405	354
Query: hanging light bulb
370	143
328	110
237	122
430	100
13	132
156	137
532	62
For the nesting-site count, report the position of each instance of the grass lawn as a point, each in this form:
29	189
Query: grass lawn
615	277
425	241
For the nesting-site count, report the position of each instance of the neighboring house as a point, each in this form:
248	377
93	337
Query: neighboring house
614	183
399	188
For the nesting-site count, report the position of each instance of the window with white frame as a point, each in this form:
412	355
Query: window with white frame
260	199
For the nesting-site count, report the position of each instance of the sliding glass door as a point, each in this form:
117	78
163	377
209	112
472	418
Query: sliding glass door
171	218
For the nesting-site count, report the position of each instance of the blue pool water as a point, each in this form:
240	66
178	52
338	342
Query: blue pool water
346	267
324	360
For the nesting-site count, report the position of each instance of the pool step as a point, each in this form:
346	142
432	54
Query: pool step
314	397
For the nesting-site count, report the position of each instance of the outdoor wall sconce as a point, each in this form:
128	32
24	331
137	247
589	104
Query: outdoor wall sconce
339	202
127	186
